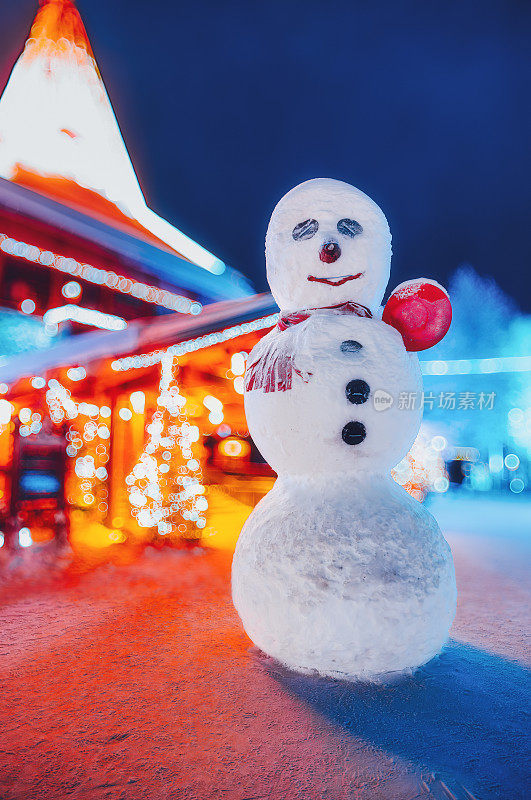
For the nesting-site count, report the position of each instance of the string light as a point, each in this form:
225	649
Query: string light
88	441
24	414
6	411
138	401
77	373
24	537
86	316
477	366
162	487
191	345
27	306
71	290
101	277
237	363
239	385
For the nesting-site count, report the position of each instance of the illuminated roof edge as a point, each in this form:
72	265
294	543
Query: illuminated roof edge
163	331
167	267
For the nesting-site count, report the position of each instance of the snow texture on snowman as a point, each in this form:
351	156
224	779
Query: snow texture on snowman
338	571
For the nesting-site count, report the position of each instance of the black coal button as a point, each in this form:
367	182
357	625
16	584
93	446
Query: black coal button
353	433
357	392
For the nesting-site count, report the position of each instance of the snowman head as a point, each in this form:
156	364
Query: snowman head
327	243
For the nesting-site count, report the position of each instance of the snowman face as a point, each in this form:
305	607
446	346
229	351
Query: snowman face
327	243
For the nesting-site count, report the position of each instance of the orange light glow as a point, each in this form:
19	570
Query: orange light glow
56	20
234	448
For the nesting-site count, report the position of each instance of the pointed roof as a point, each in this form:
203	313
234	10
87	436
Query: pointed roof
60	19
59	135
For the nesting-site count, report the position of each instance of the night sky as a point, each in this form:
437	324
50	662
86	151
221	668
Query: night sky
425	106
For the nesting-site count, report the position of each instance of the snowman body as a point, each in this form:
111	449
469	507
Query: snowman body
338	571
353	372
344	576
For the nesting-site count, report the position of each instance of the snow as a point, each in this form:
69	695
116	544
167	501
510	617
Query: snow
347	577
299	430
136	682
410	288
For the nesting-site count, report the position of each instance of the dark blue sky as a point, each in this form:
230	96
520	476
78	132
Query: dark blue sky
424	105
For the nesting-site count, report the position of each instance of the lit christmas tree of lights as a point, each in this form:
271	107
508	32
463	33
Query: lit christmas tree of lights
165	486
88	437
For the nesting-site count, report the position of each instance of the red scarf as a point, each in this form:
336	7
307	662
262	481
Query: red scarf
273	369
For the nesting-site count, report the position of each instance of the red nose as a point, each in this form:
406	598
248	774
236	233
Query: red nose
329	252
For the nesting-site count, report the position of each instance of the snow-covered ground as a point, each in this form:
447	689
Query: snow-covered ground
137	681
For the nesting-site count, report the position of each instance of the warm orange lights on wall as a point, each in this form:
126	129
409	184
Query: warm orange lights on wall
234	448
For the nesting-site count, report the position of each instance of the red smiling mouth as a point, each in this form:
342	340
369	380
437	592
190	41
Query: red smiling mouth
335	281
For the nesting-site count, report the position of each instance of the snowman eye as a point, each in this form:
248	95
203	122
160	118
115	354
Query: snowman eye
349	227
305	230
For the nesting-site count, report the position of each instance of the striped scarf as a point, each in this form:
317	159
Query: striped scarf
274	363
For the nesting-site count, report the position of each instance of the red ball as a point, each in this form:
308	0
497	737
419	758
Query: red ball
421	312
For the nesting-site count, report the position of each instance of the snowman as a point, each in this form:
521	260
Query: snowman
338	571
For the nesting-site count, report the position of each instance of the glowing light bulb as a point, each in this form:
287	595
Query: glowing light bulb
71	290
24	414
138	402
512	461
24	537
77	373
516	416
6	410
212	403
27	306
237	364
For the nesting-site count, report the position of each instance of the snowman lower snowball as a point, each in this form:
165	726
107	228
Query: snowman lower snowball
338	571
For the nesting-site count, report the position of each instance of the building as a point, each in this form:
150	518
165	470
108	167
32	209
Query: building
77	239
150	421
126	421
